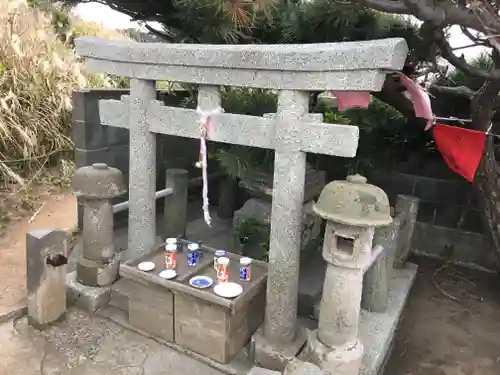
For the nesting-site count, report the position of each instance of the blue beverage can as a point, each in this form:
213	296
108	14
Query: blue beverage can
245	269
193	254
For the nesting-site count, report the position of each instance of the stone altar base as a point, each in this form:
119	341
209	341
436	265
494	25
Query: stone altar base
376	329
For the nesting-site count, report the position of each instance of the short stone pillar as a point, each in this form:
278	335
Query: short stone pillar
406	210
46	259
97	185
176	203
375	282
352	209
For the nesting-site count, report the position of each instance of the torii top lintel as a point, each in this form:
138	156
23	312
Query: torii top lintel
349	66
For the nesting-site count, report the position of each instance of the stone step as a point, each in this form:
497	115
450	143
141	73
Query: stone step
119	295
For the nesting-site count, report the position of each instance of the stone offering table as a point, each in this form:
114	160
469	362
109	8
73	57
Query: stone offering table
195	319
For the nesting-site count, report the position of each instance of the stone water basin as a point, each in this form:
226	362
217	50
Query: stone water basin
196	319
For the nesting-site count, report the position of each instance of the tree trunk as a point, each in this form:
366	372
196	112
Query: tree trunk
487	179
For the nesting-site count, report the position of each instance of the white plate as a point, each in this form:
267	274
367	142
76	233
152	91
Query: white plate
146	266
167	274
201	282
228	290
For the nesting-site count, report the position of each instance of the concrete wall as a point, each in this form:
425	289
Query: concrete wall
449	221
95	142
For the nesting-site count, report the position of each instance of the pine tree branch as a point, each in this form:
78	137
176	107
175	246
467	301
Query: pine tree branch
447	53
387	6
454	90
443	13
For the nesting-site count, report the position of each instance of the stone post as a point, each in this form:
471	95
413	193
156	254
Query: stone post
176	203
375	292
388	238
97	185
46	259
374	298
406	209
352	209
142	170
289	165
280	339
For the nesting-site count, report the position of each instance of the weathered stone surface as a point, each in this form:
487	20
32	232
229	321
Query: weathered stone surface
339	66
97	274
376	330
340	306
216	332
406	209
354	202
98	224
275	356
176	204
46	255
375	288
286	221
142	170
98	182
88	345
151	319
374	297
262	371
388	238
353	209
316	137
96	185
336	360
85	297
297	367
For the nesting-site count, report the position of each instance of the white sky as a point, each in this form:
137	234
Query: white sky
109	18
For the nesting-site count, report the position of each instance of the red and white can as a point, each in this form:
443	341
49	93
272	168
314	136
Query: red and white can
170	256
222	270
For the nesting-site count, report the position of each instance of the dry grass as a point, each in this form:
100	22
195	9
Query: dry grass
38	73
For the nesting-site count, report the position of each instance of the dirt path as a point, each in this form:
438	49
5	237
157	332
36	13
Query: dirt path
59	211
451	329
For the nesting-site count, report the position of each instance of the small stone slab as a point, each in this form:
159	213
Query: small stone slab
46	259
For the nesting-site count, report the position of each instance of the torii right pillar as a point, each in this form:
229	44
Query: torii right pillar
352	209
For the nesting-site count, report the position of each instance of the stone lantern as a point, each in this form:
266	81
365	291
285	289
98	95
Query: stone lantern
97	185
352	209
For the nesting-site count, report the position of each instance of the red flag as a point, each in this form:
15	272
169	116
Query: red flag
462	149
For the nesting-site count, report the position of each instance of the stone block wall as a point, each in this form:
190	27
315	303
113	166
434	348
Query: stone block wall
449	223
442	202
97	143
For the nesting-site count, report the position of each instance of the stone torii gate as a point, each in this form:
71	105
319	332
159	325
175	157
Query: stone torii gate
293	70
